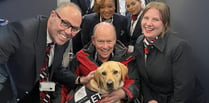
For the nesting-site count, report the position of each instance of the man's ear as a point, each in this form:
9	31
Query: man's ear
52	13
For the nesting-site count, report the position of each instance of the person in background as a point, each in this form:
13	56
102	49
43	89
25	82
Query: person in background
85	5
105	47
165	61
104	11
23	55
135	10
121	7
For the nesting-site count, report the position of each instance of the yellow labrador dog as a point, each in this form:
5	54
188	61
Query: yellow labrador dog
108	77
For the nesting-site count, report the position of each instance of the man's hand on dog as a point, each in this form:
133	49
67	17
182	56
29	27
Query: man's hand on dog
86	79
113	97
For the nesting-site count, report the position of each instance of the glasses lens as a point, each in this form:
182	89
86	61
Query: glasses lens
64	24
67	25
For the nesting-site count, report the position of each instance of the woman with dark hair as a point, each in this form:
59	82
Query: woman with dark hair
135	9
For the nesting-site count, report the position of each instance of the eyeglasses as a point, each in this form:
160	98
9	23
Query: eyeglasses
66	25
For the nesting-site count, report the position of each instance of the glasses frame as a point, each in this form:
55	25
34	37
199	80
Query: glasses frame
66	24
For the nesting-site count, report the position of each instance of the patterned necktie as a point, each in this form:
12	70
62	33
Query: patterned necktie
44	75
134	17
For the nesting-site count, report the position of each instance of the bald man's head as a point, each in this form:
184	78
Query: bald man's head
104	27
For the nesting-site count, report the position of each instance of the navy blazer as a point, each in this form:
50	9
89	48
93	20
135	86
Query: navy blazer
22	49
119	21
168	74
136	33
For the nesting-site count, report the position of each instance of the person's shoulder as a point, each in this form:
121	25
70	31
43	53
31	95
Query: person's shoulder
117	15
42	17
176	42
172	37
32	20
30	23
91	15
120	18
139	39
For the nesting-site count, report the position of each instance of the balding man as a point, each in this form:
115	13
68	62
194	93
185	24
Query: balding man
105	47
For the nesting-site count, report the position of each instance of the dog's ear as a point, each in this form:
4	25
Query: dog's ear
97	77
124	70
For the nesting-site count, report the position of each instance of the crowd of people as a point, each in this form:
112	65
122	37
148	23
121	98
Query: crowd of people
160	64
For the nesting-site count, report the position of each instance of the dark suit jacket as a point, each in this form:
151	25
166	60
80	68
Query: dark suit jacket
23	50
85	7
120	22
168	76
136	33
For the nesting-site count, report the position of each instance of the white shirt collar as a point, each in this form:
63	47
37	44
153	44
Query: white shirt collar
49	40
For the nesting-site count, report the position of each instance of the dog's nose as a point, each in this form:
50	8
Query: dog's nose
109	84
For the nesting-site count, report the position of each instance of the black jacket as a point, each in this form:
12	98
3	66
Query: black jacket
167	76
22	51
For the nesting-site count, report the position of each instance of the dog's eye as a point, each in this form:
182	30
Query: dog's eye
115	72
103	73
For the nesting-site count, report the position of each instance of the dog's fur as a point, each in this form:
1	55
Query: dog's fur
108	77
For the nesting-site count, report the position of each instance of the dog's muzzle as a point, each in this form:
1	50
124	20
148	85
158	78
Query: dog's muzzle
110	85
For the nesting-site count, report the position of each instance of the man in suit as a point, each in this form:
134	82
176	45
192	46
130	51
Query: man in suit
22	52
